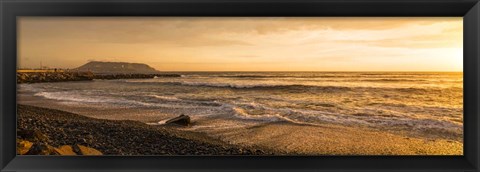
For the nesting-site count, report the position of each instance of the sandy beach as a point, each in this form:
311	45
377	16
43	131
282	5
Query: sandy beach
339	140
126	137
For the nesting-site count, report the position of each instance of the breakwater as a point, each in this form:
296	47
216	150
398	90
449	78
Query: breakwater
36	77
132	76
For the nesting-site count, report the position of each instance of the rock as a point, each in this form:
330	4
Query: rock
41	149
21	77
32	135
83	150
82	140
180	120
41	76
23	146
65	150
89	138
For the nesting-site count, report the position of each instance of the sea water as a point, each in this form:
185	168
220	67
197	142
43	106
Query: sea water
415	101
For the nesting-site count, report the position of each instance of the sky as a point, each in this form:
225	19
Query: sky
245	43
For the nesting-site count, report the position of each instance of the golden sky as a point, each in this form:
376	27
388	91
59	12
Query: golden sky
245	43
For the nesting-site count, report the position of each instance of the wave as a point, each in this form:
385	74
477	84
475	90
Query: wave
394	80
274	76
162	122
167	98
407	75
259	86
242	114
263	113
252	76
315	117
126	101
302	87
69	96
342	78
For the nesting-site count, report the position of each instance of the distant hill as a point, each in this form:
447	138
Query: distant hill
116	68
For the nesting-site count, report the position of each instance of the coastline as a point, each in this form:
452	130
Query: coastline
121	137
127	137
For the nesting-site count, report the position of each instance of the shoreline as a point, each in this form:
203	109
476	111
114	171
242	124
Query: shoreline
283	138
118	136
122	137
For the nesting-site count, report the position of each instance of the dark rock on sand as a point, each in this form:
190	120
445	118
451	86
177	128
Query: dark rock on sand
23	146
83	150
40	148
65	150
180	120
32	135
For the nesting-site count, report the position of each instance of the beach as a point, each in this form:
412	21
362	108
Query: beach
125	137
121	137
276	113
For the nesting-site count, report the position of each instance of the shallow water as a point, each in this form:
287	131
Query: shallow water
410	101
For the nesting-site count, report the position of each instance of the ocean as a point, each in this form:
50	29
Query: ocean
415	102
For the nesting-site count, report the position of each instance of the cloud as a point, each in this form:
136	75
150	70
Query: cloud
246	56
280	42
415	35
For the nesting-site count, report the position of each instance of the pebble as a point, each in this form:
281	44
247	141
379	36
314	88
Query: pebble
117	137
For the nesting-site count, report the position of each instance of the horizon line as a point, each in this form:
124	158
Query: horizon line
311	71
270	71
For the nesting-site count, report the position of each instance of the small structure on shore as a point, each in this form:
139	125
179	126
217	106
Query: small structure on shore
180	120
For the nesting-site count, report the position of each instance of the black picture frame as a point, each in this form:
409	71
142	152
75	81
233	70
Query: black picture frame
468	9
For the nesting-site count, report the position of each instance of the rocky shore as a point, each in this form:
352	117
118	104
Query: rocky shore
67	131
132	76
36	77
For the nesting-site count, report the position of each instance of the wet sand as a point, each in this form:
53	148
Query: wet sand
337	140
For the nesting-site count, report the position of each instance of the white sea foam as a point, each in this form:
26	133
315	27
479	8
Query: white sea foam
162	122
168	98
69	96
292	84
80	98
314	117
